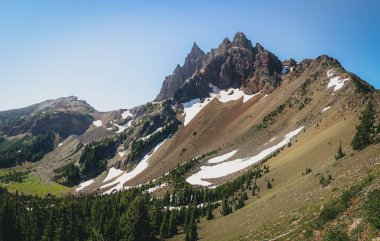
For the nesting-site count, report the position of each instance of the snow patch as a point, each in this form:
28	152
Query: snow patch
326	108
330	73
84	184
152	189
126	176
112	173
229	167
126	114
121	153
121	128
222	158
148	136
193	107
97	123
60	144
336	81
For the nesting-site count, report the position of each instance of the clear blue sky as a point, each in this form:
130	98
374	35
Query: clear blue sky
115	54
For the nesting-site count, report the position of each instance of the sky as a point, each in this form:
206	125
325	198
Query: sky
116	54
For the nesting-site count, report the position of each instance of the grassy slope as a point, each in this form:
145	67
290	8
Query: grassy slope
33	185
293	200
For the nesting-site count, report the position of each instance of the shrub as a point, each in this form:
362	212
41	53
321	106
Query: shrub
336	235
372	208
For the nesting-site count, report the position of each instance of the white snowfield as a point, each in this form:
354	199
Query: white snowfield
152	189
112	173
229	167
148	136
121	128
126	114
84	184
97	123
336	81
126	176
222	158
192	108
326	108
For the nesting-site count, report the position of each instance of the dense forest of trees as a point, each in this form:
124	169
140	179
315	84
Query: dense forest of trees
129	215
29	148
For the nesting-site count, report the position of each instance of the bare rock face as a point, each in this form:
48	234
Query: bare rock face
235	64
172	83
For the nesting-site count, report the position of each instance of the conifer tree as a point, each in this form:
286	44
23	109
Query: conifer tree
191	233
209	213
340	153
164	226
365	130
269	185
173	223
135	221
226	209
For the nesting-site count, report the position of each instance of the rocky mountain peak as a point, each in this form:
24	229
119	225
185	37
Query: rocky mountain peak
241	41
193	62
235	64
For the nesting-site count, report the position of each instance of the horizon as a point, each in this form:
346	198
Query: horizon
116	55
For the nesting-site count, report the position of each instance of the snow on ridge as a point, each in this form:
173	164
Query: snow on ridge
222	158
126	114
193	107
121	128
84	184
326	108
229	167
148	136
126	176
97	123
112	173
330	73
336	81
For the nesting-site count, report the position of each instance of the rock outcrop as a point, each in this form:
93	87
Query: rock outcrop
172	83
235	64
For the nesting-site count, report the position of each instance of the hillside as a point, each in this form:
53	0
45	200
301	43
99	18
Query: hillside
234	131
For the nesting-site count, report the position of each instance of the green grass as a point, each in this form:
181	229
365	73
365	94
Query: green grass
33	185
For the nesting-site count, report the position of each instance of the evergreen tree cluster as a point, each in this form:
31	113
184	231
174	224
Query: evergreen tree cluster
365	131
29	148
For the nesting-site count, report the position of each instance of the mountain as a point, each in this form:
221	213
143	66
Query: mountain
193	61
262	146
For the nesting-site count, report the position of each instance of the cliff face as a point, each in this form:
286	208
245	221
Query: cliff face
235	64
173	82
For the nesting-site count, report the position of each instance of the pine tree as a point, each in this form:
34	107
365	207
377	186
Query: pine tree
209	213
191	233
340	153
173	230
135	221
164	226
226	209
269	185
365	130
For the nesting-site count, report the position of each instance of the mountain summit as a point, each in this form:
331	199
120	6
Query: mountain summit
193	62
